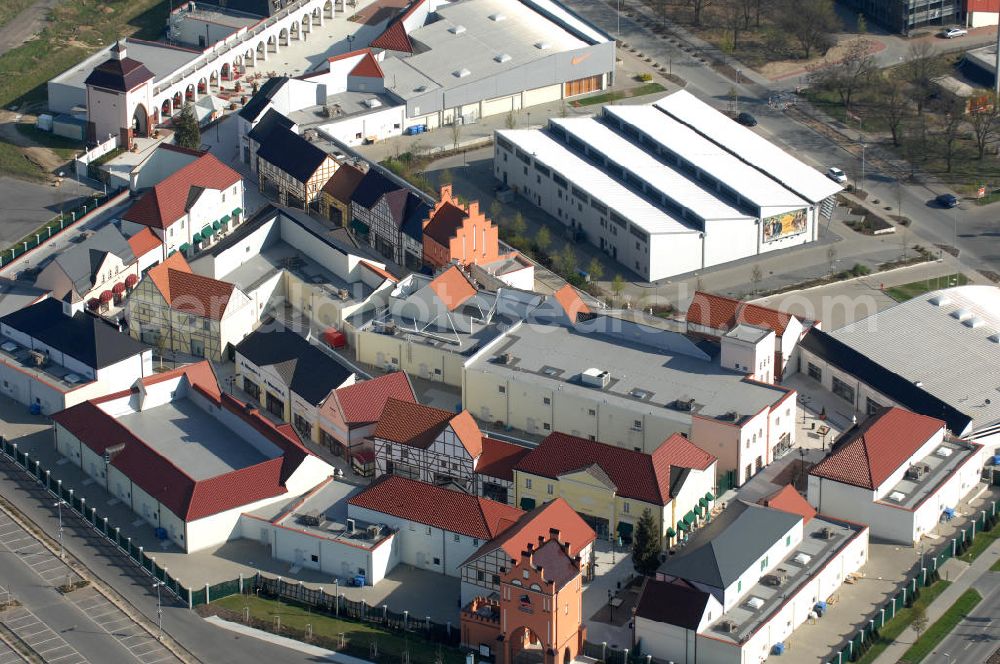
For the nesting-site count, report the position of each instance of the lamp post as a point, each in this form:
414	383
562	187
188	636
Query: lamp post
159	611
62	551
863	146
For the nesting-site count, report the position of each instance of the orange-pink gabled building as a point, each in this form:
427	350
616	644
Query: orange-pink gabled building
456	232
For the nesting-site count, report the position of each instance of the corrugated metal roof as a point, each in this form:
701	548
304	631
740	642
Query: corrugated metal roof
748	146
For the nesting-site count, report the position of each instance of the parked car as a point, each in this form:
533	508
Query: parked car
947	200
951	33
746	119
836	175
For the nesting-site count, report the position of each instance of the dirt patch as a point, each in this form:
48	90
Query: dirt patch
46	159
785	68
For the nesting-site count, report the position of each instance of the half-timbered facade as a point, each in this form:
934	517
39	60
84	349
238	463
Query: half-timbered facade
293	168
389	217
428	444
495	469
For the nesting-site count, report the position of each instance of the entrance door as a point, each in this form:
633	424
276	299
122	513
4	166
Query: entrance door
275	406
198	348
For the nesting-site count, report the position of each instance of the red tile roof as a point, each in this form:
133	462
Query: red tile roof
367	67
444	224
143	242
410	423
394	38
866	455
571	302
453	511
787	499
452	288
379	271
363	402
537	523
499	458
723	313
343	183
188	292
170	200
681	452
636	475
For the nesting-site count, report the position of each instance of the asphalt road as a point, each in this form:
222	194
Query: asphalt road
977	637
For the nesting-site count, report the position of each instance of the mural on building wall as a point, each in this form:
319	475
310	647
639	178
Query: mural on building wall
784	225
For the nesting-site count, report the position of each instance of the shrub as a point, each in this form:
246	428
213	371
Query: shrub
644	77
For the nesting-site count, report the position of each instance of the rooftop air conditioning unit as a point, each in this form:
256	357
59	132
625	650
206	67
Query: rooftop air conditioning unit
827	533
505	358
774	580
595	378
542	45
502	57
350	525
312	519
728	626
374	531
498	17
343	294
914	472
389	327
38	358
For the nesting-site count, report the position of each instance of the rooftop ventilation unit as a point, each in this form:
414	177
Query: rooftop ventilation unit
827	533
502	57
456	29
461	73
498	17
72	378
542	45
774	580
940	300
974	322
801	558
9	346
595	378
727	626
961	314
640	393
897	496
754	603
312	519
372	103
943	452
914	472
995	338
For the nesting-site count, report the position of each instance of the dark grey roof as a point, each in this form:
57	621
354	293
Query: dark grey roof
84	337
259	101
882	380
308	371
291	153
372	187
119	75
729	545
271	121
672	603
81	261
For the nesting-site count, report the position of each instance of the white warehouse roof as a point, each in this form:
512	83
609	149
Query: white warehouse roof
663	178
598	184
748	146
707	156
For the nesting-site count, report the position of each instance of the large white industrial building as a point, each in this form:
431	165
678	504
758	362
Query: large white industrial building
666	188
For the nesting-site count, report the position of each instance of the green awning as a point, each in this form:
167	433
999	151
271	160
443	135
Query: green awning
703	502
184	247
527	504
700	509
624	529
671	532
216	225
237	211
709	496
689	518
225	218
682	526
196	237
206	232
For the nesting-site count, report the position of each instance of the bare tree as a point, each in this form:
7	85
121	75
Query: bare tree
697	7
851	74
983	117
950	130
810	22
920	70
734	20
893	104
456	132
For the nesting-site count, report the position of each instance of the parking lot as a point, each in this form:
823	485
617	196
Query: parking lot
39	637
8	656
115	622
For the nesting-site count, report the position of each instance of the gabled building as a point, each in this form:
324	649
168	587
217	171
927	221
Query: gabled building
482	571
388	216
611	487
185	457
898	472
190	208
335	201
53	355
349	415
289	377
106	261
292	167
459	233
184	312
267	124
495	469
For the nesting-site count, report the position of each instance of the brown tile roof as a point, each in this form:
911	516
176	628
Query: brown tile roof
367	67
453	511
636	475
787	499
170	200
394	38
363	402
556	566
723	313
188	292
445	223
143	242
379	271
866	455
159	273
571	302
499	458
410	423
452	288
537	523
681	452
343	183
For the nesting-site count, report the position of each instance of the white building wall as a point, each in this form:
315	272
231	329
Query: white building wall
777	552
378	124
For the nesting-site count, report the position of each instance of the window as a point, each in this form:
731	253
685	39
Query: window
502	389
388	449
637	425
591	411
843	390
815	372
428	530
525	574
788	540
871	406
496	579
546	401
527	483
559	180
739	586
444	463
457	537
763	564
437	561
315	558
480	575
475	542
625	508
550	489
546	426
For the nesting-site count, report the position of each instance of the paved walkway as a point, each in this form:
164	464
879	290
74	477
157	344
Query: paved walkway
971	576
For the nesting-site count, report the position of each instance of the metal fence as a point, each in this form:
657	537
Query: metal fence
924	573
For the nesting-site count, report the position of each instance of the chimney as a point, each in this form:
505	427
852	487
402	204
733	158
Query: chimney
445	192
541	540
554	534
118	51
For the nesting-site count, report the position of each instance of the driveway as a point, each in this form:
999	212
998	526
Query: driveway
25	25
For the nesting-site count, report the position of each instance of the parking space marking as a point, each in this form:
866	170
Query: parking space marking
40	637
119	625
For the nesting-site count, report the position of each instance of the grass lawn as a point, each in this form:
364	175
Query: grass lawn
901	622
608	97
359	635
13	162
942	627
981	543
995	567
913	289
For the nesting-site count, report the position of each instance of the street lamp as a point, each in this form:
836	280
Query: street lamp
62	552
159	611
863	146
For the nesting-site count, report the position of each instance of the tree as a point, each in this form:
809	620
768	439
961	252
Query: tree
733	20
187	133
617	285
697	7
517	226
950	126
496	207
810	22
862	24
645	545
756	276
920	70
566	260
918	620
983	117
660	9
456	132
850	74
831	256
511	120
543	239
595	269
893	104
